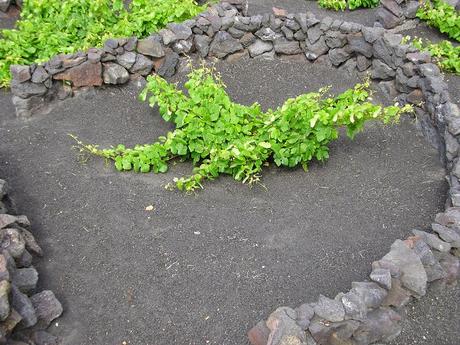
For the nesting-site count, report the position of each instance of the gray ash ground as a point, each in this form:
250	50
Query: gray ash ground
204	268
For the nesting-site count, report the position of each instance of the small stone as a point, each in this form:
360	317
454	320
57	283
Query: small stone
115	74
232	58
279	12
305	313
313	51
44	338
181	31
168	66
25	279
447	234
371	294
372	34
202	44
12	241
358	45
20	73
151	46
127	59
387	19
354	305
25	260
393	7
382	71
8	325
258	335
411	9
266	56
130	45
247	39
332	333
5	288
381	325
259	47
382	276
335	39
415	97
329	309
142	66
362	63
40	75
418	57
266	34
4	273
338	56
183	47
284	46
236	33
433	241
4	4
224	44
111	44
23	305
284	329
27	89
314	34
47	307
85	74
413	275
288	33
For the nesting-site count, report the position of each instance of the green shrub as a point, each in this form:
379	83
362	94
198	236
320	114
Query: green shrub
447	56
341	5
223	137
49	27
442	16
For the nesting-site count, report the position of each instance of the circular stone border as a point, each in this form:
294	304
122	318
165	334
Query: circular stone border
371	312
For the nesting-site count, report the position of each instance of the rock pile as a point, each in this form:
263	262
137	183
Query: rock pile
371	311
5	4
24	312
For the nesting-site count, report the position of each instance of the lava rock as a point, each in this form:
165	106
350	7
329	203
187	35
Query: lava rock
40	75
371	293
381	276
381	325
266	34
151	46
335	39
20	73
359	45
305	313
284	46
115	74
283	327
224	44
387	19
362	63
202	44
338	56
382	71
23	305
25	279
46	306
27	89
413	275
127	59
433	241
5	288
258	335
12	241
314	34
168	66
181	31
354	306
314	51
85	74
449	235
44	338
259	47
329	309
142	66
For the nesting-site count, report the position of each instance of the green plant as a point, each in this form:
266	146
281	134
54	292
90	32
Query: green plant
442	16
336	5
223	137
447	56
341	5
49	27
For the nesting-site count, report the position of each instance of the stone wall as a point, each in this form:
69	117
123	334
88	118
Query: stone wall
24	312
371	311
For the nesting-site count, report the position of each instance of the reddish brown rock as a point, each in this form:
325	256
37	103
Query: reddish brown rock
86	74
279	12
258	335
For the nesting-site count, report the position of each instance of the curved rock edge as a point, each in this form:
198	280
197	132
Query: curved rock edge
371	312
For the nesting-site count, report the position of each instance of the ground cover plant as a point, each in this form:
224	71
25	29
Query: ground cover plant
442	16
223	137
49	27
447	55
341	5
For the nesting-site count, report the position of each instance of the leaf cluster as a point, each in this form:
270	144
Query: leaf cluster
223	137
441	15
50	27
341	5
447	55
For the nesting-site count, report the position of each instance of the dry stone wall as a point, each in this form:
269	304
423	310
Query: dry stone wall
25	313
371	311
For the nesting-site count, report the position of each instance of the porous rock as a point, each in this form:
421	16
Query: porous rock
85	74
115	74
47	307
432	240
259	47
151	46
329	309
224	44
413	275
23	305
